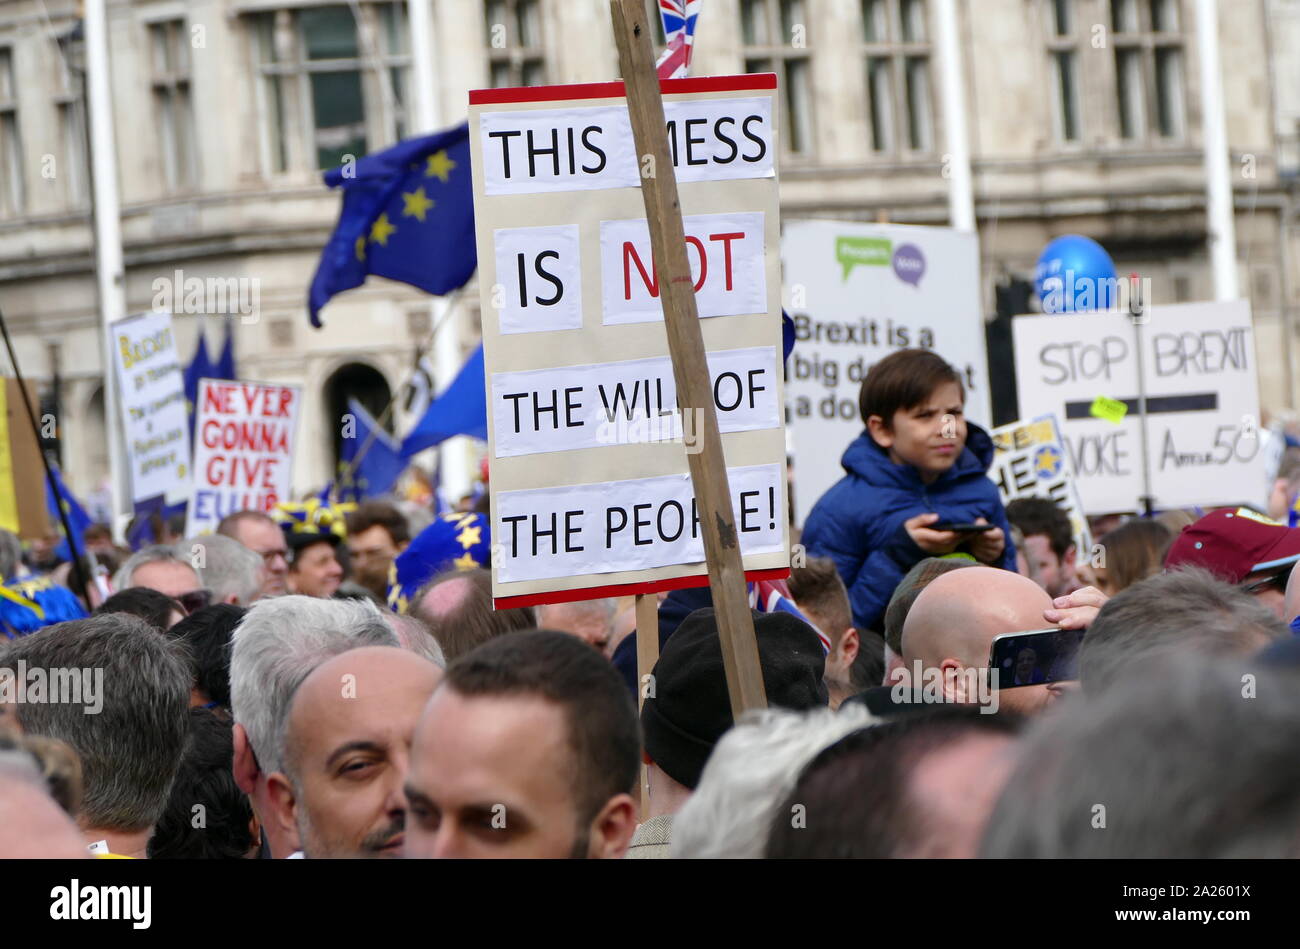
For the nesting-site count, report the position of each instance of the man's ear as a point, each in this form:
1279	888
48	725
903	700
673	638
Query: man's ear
850	643
954	683
612	830
880	433
283	804
244	766
1071	555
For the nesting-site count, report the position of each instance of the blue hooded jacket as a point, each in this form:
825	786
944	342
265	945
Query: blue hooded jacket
858	523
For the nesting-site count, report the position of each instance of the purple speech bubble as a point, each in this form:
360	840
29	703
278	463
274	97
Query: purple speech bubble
909	264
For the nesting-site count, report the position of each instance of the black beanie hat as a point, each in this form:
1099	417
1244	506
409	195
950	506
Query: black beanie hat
690	710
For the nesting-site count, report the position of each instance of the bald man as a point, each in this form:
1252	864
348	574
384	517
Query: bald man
32	825
951	626
346	747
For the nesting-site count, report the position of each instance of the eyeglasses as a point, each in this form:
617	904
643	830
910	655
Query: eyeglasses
1278	581
195	600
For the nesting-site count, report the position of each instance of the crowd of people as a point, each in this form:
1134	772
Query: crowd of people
333	681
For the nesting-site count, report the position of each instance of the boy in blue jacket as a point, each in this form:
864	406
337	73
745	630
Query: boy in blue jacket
918	463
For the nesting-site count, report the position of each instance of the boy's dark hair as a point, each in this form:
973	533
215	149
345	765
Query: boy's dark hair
903	380
206	634
860	788
599	712
151	606
471	622
380	514
1036	516
205	779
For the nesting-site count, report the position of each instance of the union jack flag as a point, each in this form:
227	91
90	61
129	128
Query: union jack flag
679	18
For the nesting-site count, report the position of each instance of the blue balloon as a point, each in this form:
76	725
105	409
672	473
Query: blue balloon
1075	274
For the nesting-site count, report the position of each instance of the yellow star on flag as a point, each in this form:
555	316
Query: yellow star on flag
470	536
417	204
466	562
440	166
382	230
361	247
1047	461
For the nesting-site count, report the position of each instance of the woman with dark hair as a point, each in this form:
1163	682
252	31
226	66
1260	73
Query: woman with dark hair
1131	552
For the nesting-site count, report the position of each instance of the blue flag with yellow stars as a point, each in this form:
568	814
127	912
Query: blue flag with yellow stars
408	215
456	540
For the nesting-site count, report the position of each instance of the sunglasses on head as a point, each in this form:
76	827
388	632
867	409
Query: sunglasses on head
195	600
1277	581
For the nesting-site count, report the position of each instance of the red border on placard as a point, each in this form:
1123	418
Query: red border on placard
626	589
614	90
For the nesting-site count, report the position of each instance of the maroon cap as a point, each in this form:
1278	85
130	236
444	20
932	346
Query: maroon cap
1235	543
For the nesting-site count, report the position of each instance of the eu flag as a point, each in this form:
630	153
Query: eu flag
377	470
461	409
78	519
408	214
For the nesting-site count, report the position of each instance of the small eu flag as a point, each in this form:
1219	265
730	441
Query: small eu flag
408	215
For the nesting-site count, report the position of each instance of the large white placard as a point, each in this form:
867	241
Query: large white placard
243	449
1202	402
153	407
589	445
856	293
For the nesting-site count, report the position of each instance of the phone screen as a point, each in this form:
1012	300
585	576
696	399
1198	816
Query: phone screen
1035	657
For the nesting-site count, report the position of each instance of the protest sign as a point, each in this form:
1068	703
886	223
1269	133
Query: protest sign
153	407
1030	461
1202	396
243	449
590	493
22	477
858	292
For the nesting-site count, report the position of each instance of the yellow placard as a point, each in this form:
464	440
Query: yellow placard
8	495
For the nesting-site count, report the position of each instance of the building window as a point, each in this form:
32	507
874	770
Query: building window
1149	59
516	56
332	83
777	40
1063	51
170	47
899	97
12	197
70	101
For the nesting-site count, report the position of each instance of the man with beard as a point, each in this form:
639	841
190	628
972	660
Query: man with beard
346	747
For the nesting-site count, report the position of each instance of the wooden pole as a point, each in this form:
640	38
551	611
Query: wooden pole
647	654
686	345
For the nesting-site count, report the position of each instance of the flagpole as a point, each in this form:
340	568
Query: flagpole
952	90
109	268
1218	179
454	461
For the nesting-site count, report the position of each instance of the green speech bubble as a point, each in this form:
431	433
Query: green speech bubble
851	252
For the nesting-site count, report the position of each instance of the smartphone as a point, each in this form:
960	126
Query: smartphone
960	528
1035	657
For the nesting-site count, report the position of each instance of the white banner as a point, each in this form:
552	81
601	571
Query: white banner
629	525
858	292
1202	395
726	252
153	408
590	147
620	403
243	453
